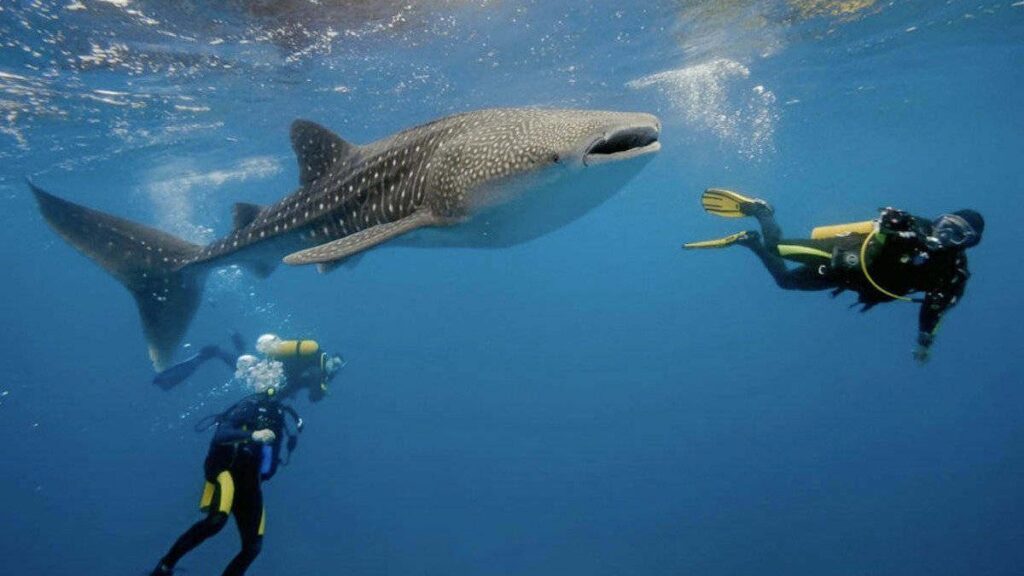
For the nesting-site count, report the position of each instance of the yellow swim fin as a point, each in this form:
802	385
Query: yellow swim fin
720	242
729	204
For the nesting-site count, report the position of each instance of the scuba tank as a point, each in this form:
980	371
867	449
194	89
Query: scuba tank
293	349
823	232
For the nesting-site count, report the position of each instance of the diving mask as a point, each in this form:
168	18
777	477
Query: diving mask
953	231
329	368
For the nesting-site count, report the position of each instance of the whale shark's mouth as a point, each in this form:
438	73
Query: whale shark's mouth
623	144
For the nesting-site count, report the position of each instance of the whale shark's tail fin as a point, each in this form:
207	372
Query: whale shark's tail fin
153	265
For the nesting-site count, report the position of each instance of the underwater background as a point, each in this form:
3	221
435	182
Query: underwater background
593	402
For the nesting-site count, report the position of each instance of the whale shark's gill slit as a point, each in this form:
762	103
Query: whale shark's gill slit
624	141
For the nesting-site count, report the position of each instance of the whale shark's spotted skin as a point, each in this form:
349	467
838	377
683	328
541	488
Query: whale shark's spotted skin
352	198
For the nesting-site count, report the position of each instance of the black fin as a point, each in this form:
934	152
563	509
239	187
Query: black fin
153	265
317	149
244	214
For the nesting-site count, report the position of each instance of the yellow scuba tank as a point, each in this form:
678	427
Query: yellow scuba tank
294	349
823	232
867	229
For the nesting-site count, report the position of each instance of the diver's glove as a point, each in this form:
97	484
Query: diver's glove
924	344
894	220
265	436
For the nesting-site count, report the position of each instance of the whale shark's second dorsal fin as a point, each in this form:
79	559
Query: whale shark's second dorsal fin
317	149
244	214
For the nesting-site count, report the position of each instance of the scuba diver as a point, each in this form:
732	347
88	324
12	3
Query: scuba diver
244	453
305	365
882	260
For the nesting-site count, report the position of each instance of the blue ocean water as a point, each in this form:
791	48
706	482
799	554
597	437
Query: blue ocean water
593	402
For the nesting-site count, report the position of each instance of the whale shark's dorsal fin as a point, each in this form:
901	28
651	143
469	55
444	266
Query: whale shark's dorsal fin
244	214
335	251
317	149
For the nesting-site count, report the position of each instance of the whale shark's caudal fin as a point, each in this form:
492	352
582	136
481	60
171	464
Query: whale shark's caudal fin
153	265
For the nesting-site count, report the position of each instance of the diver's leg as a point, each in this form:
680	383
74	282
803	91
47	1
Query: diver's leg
767	250
770	230
223	497
193	537
808	278
249	517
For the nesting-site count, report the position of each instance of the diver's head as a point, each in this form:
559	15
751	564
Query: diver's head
330	365
959	230
267	343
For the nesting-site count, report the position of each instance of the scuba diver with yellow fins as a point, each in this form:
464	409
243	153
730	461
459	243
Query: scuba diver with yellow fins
306	365
882	260
246	447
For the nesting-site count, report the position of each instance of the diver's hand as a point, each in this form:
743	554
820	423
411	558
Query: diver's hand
265	436
922	354
923	350
894	220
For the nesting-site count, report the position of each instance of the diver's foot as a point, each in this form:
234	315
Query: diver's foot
729	204
757	207
750	238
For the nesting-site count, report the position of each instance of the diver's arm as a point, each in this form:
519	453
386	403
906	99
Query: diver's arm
902	227
936	303
233	428
275	458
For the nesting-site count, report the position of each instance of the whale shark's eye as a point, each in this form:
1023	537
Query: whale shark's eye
555	158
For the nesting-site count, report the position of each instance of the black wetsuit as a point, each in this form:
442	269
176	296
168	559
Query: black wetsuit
899	261
305	372
233	476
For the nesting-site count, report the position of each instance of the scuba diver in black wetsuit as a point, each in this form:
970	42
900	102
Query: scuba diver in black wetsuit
306	366
246	448
244	453
881	260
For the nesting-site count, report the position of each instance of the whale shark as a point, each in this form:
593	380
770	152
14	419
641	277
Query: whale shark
486	178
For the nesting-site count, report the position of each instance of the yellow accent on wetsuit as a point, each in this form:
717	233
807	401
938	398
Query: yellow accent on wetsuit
794	249
226	486
263	521
208	491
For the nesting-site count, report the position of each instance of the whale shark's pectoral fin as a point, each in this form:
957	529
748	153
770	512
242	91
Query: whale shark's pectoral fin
318	149
332	252
350	263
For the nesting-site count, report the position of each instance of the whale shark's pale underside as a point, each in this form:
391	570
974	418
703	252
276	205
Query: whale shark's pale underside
485	178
